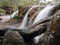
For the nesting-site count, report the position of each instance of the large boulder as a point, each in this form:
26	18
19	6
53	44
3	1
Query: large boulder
13	38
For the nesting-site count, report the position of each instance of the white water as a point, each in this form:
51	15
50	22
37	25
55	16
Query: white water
36	39
14	14
24	22
8	17
42	15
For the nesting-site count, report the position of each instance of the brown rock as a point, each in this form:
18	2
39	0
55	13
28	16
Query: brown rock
13	38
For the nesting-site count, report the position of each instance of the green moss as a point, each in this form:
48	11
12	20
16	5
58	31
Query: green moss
13	3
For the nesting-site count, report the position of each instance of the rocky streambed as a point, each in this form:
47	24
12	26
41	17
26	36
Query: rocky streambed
53	28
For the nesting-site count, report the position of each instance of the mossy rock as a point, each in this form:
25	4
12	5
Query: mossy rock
13	38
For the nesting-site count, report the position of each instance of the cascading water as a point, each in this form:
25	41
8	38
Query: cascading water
42	15
8	17
36	39
24	22
14	14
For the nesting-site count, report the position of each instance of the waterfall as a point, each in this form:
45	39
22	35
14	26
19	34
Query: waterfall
24	22
8	17
36	39
44	13
14	14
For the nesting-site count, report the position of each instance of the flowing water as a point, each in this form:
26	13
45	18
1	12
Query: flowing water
8	17
14	14
42	15
36	39
25	19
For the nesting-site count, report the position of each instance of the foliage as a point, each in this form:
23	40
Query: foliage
13	3
2	11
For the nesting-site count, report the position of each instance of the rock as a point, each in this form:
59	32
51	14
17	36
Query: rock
33	13
13	38
55	28
22	11
0	19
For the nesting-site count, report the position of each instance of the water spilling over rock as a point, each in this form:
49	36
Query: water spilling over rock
25	19
14	14
8	17
42	15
